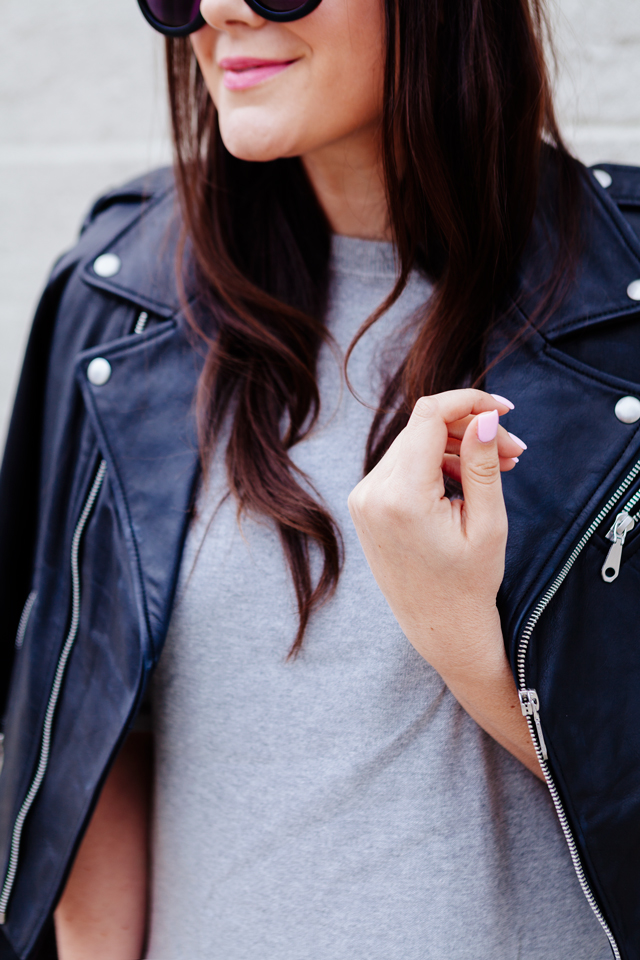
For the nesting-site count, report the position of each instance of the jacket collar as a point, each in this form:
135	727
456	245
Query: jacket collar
146	258
609	262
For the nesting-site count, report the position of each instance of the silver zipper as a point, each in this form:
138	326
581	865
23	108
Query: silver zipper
24	619
530	704
54	695
523	646
623	524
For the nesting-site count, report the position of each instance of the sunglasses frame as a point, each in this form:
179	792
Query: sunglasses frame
285	16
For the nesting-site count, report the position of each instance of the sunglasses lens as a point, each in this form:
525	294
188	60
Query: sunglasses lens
175	13
281	6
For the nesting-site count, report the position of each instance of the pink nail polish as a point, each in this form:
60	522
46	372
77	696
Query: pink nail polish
516	459
518	441
507	403
488	426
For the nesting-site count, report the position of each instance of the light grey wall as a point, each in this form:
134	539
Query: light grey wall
598	43
82	108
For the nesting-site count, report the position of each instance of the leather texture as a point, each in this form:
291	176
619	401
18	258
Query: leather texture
564	378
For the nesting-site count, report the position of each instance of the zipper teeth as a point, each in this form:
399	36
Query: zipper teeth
630	505
634	500
24	619
141	322
571	843
521	669
45	744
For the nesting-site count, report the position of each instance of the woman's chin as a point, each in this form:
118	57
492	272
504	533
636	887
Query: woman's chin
252	153
258	143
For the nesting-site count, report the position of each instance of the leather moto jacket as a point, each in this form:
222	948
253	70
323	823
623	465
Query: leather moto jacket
96	490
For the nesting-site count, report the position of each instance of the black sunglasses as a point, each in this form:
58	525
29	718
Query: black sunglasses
178	18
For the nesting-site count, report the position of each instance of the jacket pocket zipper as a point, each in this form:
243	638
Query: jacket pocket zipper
623	525
54	694
530	700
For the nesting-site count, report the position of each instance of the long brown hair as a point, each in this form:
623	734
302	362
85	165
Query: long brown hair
467	106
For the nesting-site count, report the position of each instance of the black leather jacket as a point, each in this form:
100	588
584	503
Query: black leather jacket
95	494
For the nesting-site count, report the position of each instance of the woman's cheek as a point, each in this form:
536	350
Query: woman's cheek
203	43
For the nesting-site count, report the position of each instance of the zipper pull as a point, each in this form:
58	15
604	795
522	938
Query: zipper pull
618	533
530	704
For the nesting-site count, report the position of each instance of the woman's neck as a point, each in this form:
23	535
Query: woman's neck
348	180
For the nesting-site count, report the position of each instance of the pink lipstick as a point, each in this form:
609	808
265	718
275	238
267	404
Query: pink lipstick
243	72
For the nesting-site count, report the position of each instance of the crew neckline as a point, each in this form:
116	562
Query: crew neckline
352	256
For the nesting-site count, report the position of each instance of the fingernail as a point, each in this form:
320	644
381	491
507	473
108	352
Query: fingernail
516	459
507	403
518	441
488	426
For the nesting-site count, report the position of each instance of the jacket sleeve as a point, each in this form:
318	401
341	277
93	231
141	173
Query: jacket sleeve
20	479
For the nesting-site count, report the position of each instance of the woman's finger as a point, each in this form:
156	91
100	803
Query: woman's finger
508	445
425	438
484	509
458	427
451	466
453	446
455	405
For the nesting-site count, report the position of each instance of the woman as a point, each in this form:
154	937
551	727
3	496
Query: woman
365	181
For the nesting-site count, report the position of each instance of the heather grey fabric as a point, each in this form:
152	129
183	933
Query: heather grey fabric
341	806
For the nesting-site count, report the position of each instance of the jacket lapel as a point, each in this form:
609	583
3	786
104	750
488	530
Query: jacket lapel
144	419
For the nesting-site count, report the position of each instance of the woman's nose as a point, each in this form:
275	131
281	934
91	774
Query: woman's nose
222	14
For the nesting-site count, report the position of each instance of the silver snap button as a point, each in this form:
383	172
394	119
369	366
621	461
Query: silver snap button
604	179
99	371
107	265
633	290
627	409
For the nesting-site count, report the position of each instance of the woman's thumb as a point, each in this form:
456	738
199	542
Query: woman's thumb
480	472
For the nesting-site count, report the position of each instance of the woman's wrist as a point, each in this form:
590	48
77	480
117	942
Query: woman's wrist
488	693
465	645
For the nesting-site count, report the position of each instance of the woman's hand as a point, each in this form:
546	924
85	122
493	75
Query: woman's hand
440	562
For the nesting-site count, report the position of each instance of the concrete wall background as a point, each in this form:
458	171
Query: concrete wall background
82	108
598	89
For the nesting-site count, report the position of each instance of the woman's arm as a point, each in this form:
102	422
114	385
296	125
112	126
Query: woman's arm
440	562
103	910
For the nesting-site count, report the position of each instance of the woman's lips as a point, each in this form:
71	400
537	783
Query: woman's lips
243	72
